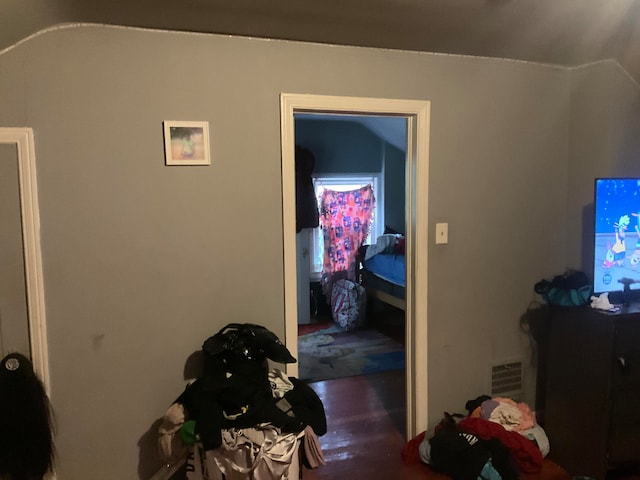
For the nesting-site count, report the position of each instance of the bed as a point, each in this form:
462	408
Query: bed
382	270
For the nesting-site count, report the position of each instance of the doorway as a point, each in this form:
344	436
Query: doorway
364	157
18	156
417	117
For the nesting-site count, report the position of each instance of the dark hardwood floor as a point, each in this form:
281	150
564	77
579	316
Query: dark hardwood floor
365	414
366	432
365	418
366	422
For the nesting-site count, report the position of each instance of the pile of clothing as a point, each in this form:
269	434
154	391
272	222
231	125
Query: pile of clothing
512	416
498	439
240	417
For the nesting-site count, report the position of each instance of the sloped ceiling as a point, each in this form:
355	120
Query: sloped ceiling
560	32
392	130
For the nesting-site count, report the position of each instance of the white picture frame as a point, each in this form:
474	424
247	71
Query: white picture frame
186	143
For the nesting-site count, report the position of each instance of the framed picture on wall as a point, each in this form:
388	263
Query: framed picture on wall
186	143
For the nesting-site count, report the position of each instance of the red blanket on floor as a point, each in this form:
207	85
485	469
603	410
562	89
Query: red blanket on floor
523	450
526	454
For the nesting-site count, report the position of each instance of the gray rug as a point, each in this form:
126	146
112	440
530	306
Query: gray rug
333	353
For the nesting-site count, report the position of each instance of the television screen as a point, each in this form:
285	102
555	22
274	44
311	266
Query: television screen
617	234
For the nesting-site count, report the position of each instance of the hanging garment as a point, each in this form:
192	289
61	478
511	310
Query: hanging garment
346	219
312	456
241	400
306	203
234	390
280	383
170	445
261	453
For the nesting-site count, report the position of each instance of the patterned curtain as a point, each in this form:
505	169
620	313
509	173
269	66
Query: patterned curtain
345	219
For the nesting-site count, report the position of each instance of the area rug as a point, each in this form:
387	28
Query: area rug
333	353
314	327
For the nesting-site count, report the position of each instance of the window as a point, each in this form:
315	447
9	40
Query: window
345	183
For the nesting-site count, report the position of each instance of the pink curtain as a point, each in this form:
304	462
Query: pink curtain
345	219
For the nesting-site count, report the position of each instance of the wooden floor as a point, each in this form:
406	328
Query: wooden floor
366	423
365	437
365	419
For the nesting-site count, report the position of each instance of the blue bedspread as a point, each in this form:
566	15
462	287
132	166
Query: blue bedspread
389	267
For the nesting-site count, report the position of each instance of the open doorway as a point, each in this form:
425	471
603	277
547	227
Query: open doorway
416	114
351	217
24	327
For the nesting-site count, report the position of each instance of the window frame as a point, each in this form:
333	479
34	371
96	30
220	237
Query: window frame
334	181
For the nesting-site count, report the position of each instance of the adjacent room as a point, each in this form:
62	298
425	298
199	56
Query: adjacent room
361	334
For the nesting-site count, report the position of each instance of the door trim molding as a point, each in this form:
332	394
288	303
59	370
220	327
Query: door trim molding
23	139
417	114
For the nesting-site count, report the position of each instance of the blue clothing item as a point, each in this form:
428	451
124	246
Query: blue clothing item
489	472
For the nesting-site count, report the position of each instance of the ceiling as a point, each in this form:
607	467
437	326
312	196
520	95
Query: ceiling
561	32
390	129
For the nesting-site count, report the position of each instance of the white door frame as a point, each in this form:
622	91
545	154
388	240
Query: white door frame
23	139
417	115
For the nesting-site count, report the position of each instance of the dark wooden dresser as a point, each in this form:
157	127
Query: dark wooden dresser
592	389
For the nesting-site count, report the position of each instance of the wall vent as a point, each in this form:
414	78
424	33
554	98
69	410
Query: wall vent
506	380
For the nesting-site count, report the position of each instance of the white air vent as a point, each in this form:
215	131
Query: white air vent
506	380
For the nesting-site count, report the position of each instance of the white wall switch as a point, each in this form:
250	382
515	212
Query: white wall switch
442	233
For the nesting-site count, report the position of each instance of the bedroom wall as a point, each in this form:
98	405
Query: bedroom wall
143	262
340	146
604	140
348	147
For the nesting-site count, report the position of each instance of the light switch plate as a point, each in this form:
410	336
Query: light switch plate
442	233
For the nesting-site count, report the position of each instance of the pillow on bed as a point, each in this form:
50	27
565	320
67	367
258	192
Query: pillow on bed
398	248
384	244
